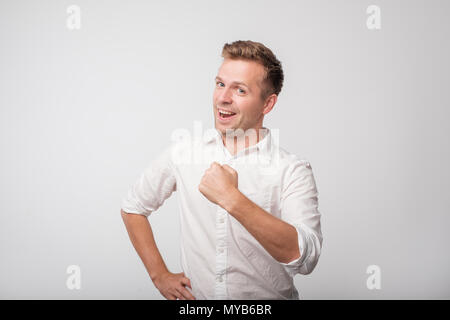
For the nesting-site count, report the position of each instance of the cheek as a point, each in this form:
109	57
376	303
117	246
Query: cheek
248	109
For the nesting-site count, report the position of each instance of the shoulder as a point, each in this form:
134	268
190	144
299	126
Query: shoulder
293	167
293	161
297	174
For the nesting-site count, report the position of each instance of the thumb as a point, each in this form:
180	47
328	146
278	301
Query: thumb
186	282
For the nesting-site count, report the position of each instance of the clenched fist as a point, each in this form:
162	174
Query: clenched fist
218	183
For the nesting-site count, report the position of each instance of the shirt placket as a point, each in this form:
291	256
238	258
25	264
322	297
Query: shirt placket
221	254
221	246
221	241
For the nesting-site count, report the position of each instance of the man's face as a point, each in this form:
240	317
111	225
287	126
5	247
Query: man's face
238	90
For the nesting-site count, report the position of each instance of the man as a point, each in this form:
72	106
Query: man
247	228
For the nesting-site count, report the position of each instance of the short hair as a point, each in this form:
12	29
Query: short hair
255	51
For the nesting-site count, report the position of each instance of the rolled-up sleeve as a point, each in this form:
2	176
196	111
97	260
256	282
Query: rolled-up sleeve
153	187
299	207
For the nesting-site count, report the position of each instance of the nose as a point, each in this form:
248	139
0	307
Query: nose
225	96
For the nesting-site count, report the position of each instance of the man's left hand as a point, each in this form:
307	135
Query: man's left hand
218	183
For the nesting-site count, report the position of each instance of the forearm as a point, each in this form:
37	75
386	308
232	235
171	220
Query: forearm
278	237
141	236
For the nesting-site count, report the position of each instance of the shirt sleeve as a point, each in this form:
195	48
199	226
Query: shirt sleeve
153	187
299	207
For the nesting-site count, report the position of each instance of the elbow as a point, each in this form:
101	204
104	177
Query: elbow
290	255
295	252
307	256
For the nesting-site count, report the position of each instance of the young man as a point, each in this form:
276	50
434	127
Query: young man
246	228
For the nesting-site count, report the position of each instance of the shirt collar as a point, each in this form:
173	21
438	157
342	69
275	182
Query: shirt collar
263	145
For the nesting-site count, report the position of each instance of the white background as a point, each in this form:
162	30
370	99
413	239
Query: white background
83	112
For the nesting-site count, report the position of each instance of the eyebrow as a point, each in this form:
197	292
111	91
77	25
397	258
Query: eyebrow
234	82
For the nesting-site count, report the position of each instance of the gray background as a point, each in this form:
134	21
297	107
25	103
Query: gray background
83	112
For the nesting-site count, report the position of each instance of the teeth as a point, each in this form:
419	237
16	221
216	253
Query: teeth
225	112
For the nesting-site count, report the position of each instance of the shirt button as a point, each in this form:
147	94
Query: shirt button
221	220
220	279
220	250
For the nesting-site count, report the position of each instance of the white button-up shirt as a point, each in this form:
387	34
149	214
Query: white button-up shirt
220	257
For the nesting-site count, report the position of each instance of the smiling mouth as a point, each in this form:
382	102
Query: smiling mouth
223	114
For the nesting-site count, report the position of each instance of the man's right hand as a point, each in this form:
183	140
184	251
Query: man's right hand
172	286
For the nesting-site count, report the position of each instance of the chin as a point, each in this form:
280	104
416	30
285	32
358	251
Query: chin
223	127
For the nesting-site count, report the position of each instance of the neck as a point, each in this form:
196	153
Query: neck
239	140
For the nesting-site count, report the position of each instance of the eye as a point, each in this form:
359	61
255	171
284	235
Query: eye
219	84
240	90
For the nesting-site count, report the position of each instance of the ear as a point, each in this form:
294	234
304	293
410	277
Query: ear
270	103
